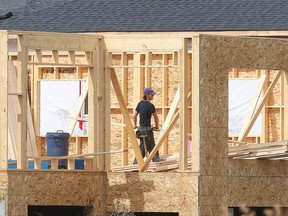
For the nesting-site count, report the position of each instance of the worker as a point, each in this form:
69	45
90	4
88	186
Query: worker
145	131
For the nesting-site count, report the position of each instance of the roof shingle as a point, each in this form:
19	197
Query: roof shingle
148	15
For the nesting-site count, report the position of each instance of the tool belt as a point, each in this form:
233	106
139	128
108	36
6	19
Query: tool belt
142	132
141	128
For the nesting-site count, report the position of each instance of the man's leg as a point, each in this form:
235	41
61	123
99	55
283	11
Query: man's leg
151	144
142	149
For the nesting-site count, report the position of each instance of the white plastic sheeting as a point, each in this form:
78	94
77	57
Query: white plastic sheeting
58	100
241	94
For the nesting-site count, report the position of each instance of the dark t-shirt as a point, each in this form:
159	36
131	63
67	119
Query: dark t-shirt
145	109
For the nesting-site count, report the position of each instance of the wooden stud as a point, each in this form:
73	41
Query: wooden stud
22	112
55	56
165	97
71	164
37	163
138	80
265	115
124	89
148	62
107	118
92	109
183	106
285	101
4	100
102	114
195	102
282	125
71	57
38	55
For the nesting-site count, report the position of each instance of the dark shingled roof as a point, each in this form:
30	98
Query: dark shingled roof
144	15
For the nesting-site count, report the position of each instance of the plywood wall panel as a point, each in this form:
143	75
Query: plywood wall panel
55	188
153	192
252	181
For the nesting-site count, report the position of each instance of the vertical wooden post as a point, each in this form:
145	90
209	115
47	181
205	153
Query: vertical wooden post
183	105
92	101
106	94
138	79
195	102
165	96
148	62
22	112
265	116
285	99
101	113
282	125
4	100
124	88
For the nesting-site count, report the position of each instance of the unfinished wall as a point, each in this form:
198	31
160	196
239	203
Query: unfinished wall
153	192
55	188
235	182
134	192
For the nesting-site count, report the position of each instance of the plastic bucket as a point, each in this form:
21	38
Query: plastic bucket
58	145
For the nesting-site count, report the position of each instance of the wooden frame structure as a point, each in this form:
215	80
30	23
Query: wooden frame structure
213	183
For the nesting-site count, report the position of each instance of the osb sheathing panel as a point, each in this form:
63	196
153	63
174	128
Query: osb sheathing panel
153	192
55	188
213	127
217	55
257	191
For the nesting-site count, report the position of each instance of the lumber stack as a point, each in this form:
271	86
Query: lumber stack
269	151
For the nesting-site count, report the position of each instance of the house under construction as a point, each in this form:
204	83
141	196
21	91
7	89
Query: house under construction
206	168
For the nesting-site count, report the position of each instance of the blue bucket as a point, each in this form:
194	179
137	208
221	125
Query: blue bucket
58	145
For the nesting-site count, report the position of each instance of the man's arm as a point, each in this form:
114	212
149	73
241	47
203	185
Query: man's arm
156	119
135	114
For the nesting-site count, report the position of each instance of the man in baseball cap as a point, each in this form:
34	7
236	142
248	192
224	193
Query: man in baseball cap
149	91
145	109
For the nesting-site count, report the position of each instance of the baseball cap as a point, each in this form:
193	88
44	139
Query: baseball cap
149	91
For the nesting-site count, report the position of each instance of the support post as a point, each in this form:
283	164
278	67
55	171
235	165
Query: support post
22	111
4	100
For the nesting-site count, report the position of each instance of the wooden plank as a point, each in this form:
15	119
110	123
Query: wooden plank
55	56
4	100
62	41
148	62
259	108
107	96
141	43
184	105
195	102
81	99
165	96
138	80
71	57
285	101
265	114
281	104
253	104
79	156
124	88
22	71
92	108
38	55
126	118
